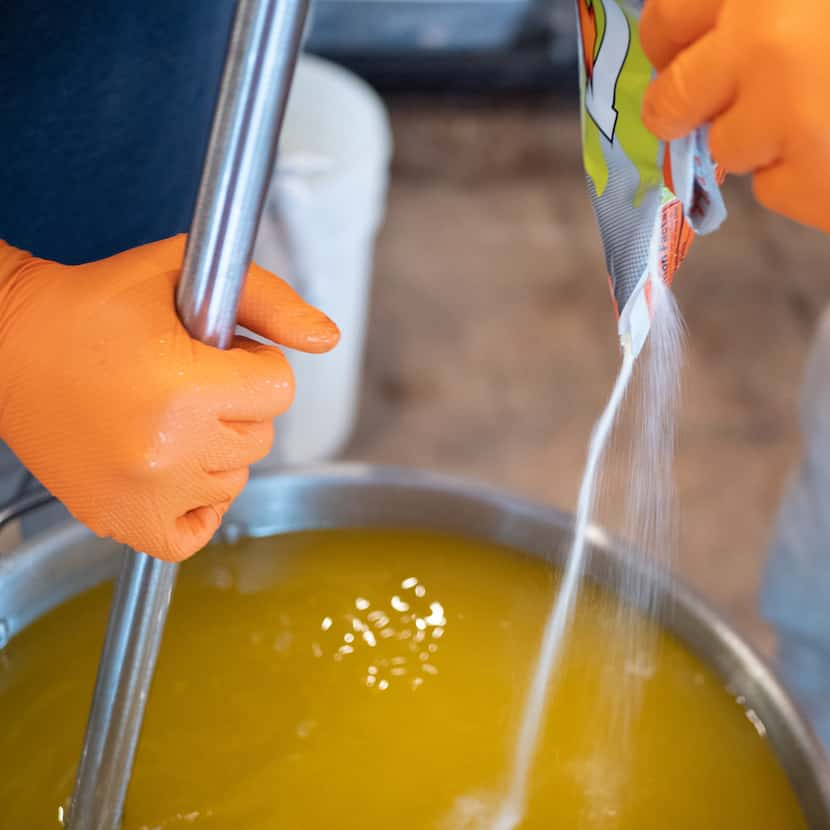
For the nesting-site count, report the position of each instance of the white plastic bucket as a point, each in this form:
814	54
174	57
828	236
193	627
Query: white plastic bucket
324	208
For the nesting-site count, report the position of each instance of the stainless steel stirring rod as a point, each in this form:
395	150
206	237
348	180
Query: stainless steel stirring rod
259	66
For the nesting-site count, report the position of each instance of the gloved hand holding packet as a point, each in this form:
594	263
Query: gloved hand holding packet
650	197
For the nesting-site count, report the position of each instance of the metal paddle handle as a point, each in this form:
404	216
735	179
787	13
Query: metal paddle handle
259	66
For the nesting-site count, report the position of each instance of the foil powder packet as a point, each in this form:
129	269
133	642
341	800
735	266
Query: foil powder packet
650	198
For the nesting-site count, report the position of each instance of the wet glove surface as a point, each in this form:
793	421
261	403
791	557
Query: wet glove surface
758	71
144	433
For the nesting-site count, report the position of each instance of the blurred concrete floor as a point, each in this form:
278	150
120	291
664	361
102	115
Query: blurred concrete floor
492	346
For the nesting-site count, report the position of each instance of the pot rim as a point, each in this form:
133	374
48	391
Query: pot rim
366	495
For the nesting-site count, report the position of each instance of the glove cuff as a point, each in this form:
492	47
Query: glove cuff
11	259
12	264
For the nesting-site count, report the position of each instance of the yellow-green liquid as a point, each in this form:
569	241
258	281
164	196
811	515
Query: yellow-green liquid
375	680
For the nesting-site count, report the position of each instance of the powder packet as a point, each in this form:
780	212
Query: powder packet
650	198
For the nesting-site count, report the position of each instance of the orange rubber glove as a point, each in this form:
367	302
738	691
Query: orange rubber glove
758	71
142	432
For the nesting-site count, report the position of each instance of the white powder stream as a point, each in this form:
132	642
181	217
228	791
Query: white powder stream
649	502
560	617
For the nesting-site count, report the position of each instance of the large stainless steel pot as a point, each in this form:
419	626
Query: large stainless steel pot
62	562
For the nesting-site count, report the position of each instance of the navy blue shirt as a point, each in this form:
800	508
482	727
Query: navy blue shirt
105	110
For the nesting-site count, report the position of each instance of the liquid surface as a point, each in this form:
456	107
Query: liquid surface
376	679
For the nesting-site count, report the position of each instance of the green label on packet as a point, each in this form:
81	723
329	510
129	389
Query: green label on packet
649	198
614	75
